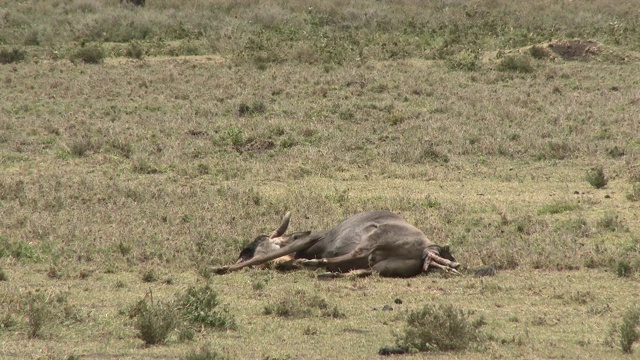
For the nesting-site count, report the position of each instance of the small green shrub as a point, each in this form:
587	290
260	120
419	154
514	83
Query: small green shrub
200	306
623	268
88	54
628	330
516	63
12	56
155	321
438	328
596	177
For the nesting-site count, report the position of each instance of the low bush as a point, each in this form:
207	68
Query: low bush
439	328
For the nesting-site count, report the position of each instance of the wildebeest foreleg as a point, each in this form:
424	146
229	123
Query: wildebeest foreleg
258	260
436	261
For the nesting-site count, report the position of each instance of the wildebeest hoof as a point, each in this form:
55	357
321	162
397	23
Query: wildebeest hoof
312	263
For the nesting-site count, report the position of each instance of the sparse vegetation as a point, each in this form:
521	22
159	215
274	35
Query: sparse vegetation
12	56
200	306
629	330
89	54
39	314
439	328
300	304
155	321
240	111
516	63
205	353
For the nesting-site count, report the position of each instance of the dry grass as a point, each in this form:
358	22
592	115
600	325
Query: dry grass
119	175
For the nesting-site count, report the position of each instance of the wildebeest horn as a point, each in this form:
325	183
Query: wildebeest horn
283	226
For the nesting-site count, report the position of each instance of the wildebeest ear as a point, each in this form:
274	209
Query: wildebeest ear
301	234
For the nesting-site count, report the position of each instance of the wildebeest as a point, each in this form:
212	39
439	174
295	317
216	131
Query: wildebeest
378	241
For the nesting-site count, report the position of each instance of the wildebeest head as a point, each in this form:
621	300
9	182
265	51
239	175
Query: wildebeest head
264	244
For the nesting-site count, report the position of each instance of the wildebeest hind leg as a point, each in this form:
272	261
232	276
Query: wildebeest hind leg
356	259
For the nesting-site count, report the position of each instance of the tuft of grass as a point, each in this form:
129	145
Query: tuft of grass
135	50
516	63
558	208
439	328
465	61
143	166
149	275
629	332
299	304
623	268
538	52
8	321
39	315
3	275
200	306
205	353
12	56
634	195
79	147
554	150
19	250
596	177
88	54
612	223
258	107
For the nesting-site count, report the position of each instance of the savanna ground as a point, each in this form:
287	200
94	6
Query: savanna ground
141	146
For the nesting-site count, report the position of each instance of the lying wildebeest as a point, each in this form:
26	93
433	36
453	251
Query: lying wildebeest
378	241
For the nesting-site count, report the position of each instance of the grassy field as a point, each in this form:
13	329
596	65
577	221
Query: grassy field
141	146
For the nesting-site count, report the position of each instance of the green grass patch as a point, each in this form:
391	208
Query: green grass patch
558	208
